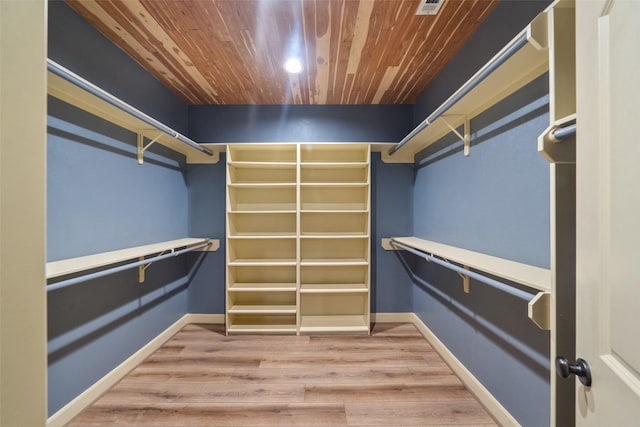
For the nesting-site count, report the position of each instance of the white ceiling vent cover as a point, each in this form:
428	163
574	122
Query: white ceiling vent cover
429	7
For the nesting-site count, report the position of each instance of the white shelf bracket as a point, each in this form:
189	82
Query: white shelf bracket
539	310
142	148
142	268
465	281
466	138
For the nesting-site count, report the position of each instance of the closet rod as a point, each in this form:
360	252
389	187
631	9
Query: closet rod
70	76
564	132
489	68
86	277
479	277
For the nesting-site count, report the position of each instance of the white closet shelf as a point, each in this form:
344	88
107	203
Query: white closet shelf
518	63
335	262
262	309
262	165
263	185
334	165
329	323
261	329
333	235
263	235
83	94
334	288
262	287
88	262
260	262
334	184
525	274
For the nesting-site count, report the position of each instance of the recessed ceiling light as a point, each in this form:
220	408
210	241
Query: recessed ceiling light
293	65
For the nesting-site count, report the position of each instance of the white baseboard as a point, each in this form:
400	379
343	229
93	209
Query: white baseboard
491	404
73	408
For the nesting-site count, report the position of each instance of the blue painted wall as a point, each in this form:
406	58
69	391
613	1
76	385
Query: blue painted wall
100	199
497	202
207	210
299	123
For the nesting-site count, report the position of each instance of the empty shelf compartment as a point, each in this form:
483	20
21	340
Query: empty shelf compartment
356	275
262	153
261	224
261	323
261	174
334	324
334	153
269	276
260	199
334	198
357	173
336	250
262	250
334	223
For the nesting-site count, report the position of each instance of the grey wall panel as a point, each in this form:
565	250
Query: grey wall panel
207	209
496	201
98	198
299	123
76	45
391	215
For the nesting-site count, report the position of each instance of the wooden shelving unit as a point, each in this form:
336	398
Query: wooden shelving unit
334	238
298	238
262	244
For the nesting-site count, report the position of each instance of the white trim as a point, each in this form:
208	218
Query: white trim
491	404
392	318
86	398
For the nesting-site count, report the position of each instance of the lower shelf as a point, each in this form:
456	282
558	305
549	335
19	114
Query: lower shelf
262	309
338	323
261	329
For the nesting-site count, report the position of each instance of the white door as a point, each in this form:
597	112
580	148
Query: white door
608	211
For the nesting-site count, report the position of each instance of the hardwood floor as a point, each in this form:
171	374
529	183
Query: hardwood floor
200	377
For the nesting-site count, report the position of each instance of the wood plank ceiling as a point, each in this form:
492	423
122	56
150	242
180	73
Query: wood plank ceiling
232	51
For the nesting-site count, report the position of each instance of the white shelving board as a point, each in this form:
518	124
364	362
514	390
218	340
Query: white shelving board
75	265
528	275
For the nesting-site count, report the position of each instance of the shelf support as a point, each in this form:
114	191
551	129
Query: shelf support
142	148
539	310
466	138
143	267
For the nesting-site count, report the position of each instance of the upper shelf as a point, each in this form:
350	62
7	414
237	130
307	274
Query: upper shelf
74	265
73	89
525	274
519	62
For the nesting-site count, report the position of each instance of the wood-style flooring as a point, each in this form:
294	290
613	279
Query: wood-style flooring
200	377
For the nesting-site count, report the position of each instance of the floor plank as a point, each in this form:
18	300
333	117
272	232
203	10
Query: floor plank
200	377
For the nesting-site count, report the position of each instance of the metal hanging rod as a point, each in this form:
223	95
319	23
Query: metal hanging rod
565	132
101	273
70	76
485	71
479	277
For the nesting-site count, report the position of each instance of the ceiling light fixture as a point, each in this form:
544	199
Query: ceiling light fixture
293	65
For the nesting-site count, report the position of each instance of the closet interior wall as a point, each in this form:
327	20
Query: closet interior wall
99	199
496	201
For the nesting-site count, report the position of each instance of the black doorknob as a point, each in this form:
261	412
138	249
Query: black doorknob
579	369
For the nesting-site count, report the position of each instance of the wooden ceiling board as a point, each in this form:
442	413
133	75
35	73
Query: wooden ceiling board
233	51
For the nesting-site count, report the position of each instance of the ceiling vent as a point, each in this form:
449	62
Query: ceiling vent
429	7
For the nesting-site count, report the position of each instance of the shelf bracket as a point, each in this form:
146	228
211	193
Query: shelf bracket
539	310
143	267
142	148
465	281
466	138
